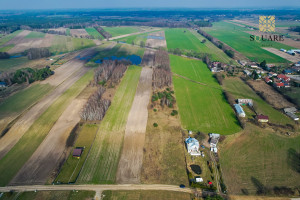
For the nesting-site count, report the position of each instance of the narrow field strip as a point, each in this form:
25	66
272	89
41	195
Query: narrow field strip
102	162
26	146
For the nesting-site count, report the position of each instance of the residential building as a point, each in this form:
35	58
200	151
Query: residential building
262	118
192	146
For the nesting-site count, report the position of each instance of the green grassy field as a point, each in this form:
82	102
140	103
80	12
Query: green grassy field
261	154
102	163
34	34
201	107
18	102
12	64
68	33
239	40
49	195
72	166
136	39
63	44
241	90
144	195
8	37
116	31
6	48
11	163
94	32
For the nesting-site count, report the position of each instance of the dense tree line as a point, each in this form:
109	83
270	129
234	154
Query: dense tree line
112	70
36	53
295	29
162	76
27	75
4	55
105	34
96	107
227	49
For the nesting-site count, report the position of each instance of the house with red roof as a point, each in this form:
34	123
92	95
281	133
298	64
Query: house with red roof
268	80
262	118
283	77
279	85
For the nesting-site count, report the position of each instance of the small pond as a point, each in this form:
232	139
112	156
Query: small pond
196	169
135	60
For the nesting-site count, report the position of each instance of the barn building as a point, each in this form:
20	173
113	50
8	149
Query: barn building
245	102
262	118
77	152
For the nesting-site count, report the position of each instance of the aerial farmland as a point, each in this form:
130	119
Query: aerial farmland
98	104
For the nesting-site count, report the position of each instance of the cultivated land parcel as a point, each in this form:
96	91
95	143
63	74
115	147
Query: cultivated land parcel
102	163
236	37
201	107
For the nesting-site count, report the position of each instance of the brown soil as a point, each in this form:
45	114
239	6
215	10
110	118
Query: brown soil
284	55
78	32
270	95
130	164
53	150
247	23
63	79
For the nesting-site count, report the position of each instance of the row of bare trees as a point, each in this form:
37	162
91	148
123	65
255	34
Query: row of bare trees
105	34
108	71
162	76
95	108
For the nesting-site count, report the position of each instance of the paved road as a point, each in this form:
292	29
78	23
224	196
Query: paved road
96	187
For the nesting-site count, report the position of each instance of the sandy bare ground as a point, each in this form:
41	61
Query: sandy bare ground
271	96
247	23
231	22
130	165
156	43
18	38
78	32
21	43
52	150
287	41
130	34
65	77
284	55
60	29
148	58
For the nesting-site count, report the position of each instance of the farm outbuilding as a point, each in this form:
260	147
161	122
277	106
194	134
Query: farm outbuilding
239	110
214	138
77	152
262	118
245	102
293	116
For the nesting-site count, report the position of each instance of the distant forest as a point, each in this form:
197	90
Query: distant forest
31	20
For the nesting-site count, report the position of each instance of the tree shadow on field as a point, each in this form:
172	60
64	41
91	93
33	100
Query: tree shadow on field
293	159
260	188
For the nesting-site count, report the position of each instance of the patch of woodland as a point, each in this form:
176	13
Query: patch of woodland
162	75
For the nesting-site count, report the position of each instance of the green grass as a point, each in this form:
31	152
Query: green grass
136	39
18	102
261	154
12	64
201	108
49	195
241	90
72	166
293	93
6	48
116	31
143	195
102	163
34	34
63	44
182	39
93	32
11	163
68	32
239	40
8	37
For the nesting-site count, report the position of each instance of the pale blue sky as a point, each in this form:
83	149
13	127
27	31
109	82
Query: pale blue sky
61	4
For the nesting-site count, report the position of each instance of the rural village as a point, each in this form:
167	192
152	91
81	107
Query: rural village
168	107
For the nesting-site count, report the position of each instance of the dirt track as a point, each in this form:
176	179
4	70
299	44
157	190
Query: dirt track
131	160
130	34
284	55
64	78
53	149
156	43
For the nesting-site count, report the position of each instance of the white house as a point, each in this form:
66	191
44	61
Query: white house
192	146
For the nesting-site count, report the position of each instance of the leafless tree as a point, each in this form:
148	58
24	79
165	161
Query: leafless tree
162	76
